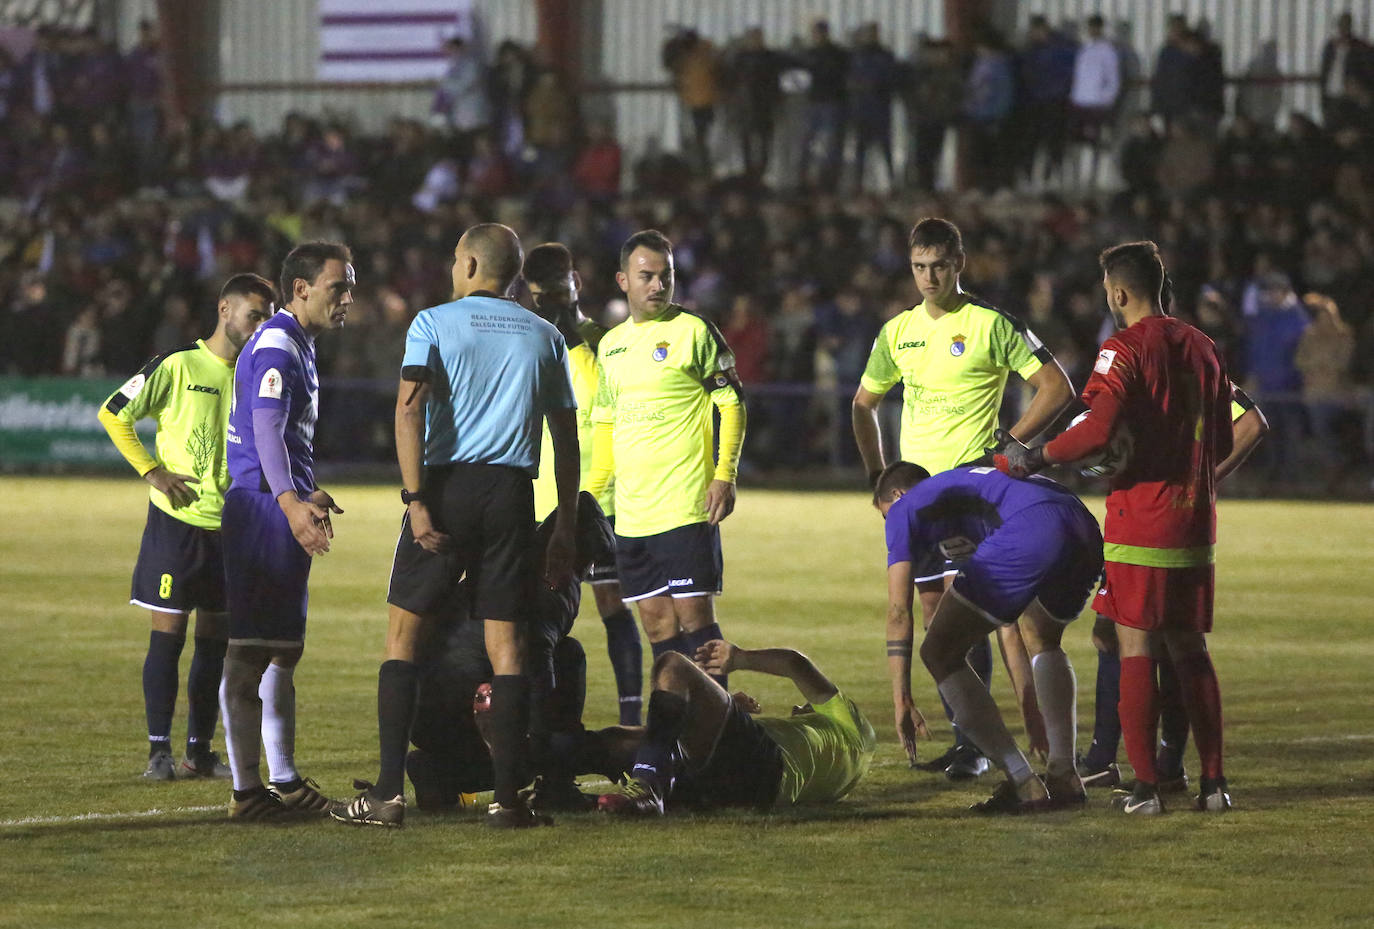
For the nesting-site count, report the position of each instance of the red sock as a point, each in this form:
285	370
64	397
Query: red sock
1139	711
1202	697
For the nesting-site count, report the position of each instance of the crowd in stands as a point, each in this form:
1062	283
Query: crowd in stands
117	224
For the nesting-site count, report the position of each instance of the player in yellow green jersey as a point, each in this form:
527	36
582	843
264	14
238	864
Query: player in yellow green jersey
180	566
663	371
953	353
555	285
702	748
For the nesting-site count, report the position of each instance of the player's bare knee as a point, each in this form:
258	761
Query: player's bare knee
1182	643
212	625
170	623
939	660
671	670
1040	632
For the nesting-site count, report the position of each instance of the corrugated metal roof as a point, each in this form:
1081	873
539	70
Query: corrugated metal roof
277	42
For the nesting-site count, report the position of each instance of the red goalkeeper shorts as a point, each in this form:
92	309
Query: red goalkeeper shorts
1157	598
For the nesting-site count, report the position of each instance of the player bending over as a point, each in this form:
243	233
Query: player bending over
1036	554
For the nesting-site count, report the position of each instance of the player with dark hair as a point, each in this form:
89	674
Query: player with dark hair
554	285
276	519
1164	381
953	353
662	372
703	749
180	566
451	756
480	377
1025	549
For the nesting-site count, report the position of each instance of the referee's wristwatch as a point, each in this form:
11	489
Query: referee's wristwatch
408	497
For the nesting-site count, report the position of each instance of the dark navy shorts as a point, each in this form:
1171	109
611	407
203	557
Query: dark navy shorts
744	770
266	571
1051	553
682	562
180	567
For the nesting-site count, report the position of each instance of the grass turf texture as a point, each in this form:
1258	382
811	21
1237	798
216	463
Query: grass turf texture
1292	649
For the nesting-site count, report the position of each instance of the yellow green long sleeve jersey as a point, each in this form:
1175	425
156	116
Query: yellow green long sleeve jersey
187	391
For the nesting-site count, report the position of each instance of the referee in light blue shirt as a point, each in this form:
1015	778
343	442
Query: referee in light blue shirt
479	377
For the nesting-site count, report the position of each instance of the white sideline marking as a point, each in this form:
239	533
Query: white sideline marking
95	817
1312	739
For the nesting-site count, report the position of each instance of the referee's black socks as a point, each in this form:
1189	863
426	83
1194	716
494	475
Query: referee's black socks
397	693
510	713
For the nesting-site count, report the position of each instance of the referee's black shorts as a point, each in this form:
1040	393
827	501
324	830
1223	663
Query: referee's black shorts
487	511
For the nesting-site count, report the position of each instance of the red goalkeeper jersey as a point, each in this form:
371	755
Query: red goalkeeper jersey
1163	380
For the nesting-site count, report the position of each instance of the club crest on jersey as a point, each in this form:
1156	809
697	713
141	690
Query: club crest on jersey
660	351
957	346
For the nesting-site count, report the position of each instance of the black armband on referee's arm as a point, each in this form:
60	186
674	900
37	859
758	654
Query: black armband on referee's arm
898	648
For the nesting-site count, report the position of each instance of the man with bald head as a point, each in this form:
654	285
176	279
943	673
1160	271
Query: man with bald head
480	376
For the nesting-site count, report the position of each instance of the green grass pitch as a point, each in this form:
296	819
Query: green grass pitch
80	848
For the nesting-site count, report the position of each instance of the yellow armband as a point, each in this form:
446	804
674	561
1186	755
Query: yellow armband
731	441
126	440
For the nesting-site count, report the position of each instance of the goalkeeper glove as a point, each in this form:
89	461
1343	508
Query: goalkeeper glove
1014	458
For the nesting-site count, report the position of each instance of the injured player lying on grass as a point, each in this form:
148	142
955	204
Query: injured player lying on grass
702	748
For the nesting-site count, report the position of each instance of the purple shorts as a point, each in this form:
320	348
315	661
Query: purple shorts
1051	552
265	571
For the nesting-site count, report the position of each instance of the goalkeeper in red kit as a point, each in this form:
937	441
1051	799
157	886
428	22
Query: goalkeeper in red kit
1162	380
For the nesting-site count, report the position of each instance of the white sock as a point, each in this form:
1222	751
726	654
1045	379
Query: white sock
278	693
242	712
976	713
1056	688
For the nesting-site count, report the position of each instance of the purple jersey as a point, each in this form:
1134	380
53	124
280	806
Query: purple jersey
957	509
275	371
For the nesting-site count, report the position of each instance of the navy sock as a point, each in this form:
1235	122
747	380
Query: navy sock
1106	719
397	692
627	662
510	715
700	637
667	716
202	692
1173	721
160	687
676	644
